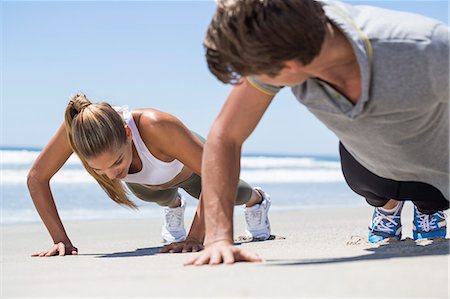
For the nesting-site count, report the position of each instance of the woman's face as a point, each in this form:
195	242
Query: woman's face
114	163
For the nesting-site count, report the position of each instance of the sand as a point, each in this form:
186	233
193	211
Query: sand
316	253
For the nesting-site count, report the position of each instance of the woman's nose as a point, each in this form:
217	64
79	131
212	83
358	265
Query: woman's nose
112	174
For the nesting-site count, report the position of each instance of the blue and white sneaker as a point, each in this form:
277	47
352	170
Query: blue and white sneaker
429	226
386	226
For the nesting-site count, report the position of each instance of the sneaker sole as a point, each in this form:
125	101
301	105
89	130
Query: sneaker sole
428	235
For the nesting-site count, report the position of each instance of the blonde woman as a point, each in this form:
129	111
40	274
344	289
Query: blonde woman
149	151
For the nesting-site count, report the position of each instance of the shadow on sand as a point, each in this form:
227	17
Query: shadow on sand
155	250
137	252
398	249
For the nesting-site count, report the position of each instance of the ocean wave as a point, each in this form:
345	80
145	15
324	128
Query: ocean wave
292	176
12	177
254	169
286	162
26	157
10	216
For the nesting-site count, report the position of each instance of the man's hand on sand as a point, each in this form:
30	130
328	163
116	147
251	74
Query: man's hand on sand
58	249
189	245
222	252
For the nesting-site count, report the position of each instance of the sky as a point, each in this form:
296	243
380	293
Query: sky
141	54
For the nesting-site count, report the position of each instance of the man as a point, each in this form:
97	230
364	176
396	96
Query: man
377	78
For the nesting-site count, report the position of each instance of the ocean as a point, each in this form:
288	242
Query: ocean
293	182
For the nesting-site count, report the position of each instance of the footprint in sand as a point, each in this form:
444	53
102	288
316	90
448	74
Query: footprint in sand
245	239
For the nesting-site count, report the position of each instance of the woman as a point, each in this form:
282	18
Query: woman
150	151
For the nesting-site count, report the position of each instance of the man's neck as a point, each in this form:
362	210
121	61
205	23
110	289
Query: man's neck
337	64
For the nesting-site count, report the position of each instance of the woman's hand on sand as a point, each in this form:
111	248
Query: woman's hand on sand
189	245
58	249
223	252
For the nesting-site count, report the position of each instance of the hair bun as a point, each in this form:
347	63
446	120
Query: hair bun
78	102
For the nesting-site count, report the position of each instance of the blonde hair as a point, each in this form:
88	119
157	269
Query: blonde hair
93	129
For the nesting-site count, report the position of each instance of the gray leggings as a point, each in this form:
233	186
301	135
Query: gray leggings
192	186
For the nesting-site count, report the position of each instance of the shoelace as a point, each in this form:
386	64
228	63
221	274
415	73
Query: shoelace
384	223
424	222
173	219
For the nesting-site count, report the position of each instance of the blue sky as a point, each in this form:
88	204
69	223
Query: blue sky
144	54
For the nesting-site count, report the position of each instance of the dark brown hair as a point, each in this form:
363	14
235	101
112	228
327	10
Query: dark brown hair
251	37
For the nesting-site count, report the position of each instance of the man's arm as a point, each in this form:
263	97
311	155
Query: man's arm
239	116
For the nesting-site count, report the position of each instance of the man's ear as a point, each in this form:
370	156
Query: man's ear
292	66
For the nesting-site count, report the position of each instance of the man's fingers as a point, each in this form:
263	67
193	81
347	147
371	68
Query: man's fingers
216	258
247	256
222	254
202	259
74	252
228	257
190	262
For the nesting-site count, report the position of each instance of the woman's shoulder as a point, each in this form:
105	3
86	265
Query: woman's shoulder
152	118
155	126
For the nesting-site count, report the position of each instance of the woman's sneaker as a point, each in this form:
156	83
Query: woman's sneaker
173	228
429	226
386	225
256	217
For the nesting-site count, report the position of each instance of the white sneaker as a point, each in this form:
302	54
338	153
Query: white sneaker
258	225
173	227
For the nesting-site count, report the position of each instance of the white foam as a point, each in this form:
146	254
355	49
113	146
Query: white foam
282	162
292	176
75	176
25	157
254	169
10	216
80	176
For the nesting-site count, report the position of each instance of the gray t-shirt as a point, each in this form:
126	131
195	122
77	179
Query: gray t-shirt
399	128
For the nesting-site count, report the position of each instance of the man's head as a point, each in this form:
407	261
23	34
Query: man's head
257	37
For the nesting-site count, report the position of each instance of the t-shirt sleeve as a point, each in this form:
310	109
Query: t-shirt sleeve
438	53
264	88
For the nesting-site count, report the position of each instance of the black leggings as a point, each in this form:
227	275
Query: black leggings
378	191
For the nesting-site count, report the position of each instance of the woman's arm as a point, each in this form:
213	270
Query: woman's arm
169	139
51	159
196	236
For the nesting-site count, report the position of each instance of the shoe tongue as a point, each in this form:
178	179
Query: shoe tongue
384	212
390	211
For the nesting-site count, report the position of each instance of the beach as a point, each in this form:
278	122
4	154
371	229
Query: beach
315	252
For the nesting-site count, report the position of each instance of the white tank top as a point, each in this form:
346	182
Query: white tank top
154	171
